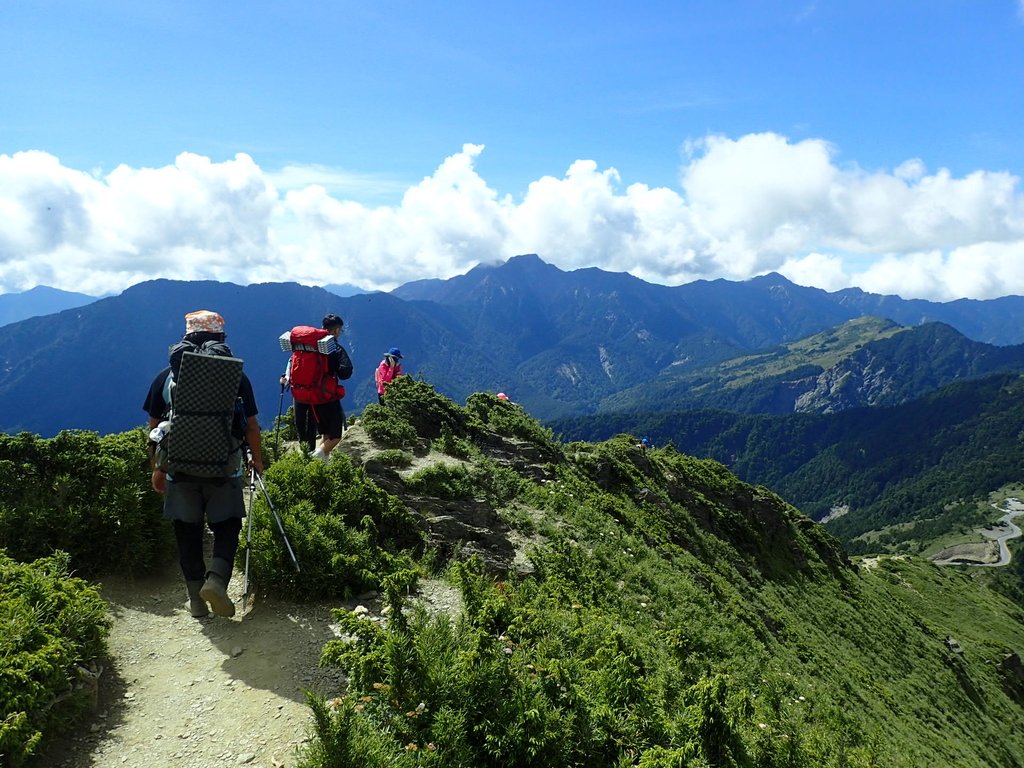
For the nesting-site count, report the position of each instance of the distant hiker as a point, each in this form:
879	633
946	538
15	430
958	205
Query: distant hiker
314	369
202	415
389	369
503	396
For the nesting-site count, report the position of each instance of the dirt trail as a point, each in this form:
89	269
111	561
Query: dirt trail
215	692
202	692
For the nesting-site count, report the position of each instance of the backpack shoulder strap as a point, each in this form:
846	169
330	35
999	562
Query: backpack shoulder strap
168	392
176	351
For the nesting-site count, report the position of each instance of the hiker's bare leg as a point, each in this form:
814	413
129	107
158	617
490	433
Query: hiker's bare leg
328	444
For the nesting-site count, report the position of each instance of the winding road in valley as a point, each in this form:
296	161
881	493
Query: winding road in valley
1000	533
1006	530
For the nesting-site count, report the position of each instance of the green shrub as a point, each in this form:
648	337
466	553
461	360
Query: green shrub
52	625
286	424
498	484
394	457
283	431
417	404
510	419
518	519
346	532
84	494
483	478
446	481
451	445
386	426
518	679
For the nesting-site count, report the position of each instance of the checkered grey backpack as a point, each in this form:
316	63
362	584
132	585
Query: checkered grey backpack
205	428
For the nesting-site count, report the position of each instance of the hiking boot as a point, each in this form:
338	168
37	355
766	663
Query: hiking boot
196	604
215	589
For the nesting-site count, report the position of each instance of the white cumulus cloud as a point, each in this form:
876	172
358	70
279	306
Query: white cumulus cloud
744	206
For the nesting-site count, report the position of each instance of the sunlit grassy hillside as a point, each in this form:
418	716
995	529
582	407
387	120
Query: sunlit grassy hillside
658	611
674	616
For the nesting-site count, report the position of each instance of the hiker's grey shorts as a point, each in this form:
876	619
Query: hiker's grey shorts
189	501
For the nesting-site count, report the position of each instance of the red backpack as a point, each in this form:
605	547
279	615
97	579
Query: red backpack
311	381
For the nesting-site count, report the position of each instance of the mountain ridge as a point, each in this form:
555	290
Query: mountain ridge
39	301
560	343
935	458
864	362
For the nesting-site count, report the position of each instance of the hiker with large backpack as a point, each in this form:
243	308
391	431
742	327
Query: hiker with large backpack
316	365
202	418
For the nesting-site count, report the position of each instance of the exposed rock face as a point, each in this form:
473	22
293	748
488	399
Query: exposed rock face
981	552
1012	671
466	527
853	383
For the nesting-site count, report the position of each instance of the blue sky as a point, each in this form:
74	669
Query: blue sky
840	143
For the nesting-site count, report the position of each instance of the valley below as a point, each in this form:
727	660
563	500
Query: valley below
991	553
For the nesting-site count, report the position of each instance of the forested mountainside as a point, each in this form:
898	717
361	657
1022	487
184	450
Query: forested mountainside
866	362
915	463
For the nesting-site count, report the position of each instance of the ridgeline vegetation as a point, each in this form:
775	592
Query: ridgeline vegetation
916	471
634	606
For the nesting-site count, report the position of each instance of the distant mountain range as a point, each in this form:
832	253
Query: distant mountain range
866	362
560	343
344	289
90	367
37	302
43	300
754	314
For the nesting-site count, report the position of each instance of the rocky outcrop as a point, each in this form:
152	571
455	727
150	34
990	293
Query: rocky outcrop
1011	670
985	553
854	383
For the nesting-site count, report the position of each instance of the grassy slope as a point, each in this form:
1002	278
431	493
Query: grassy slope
892	465
882	651
822	350
864	648
676	574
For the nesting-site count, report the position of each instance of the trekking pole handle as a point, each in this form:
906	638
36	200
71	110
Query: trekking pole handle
249	460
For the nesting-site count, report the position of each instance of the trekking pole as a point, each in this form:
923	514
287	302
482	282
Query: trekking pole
280	525
248	542
277	427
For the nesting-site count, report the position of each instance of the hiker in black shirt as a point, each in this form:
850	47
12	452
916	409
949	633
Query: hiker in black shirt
188	500
325	419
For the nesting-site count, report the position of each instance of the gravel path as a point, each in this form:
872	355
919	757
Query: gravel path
214	692
202	692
